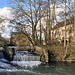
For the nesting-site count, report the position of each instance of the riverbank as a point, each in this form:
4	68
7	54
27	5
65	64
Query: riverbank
56	53
26	63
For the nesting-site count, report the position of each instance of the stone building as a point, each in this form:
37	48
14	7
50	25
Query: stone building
58	31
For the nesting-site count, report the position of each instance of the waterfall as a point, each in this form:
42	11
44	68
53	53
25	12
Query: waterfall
25	59
25	56
22	60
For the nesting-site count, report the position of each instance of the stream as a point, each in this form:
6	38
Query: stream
25	63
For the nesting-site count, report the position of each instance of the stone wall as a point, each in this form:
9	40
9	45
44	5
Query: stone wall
42	52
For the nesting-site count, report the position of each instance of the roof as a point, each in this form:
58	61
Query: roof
61	24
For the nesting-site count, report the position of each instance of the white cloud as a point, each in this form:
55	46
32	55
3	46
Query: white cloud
7	29
5	35
6	13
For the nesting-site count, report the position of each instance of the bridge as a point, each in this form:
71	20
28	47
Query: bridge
26	47
18	47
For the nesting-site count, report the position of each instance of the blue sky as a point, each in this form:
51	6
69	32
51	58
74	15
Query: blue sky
5	12
3	3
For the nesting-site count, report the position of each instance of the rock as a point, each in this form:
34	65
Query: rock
43	52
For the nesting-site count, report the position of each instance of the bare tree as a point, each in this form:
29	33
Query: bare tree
40	19
74	21
65	26
69	22
29	13
49	15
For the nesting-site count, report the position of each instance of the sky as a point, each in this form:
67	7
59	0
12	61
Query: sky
5	12
3	3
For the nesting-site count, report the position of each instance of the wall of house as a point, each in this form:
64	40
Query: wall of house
59	33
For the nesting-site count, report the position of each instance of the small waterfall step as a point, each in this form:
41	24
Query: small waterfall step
25	56
22	60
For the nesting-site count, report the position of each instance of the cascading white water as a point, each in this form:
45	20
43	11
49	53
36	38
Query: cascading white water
22	60
25	56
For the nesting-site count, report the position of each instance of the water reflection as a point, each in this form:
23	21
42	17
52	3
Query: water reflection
53	68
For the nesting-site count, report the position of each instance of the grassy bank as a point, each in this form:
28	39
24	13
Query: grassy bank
57	52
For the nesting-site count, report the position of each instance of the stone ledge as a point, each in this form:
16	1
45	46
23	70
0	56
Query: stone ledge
43	52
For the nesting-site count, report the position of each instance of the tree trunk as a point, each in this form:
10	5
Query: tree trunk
65	26
34	32
49	37
74	22
46	35
40	23
69	23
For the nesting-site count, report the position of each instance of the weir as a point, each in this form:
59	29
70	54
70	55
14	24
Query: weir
25	56
9	51
18	55
21	60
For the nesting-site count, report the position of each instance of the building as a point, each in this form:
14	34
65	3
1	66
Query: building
58	31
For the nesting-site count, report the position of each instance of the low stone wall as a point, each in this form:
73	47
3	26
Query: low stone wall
42	52
8	53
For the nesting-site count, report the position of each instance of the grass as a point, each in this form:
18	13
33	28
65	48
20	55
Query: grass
71	52
56	52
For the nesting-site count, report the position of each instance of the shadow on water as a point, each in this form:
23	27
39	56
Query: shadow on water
53	68
57	68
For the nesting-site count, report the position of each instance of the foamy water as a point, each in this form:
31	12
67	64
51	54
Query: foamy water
22	60
22	65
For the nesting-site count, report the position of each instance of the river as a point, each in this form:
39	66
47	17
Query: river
25	63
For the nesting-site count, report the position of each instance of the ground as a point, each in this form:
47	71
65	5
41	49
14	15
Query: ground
56	52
